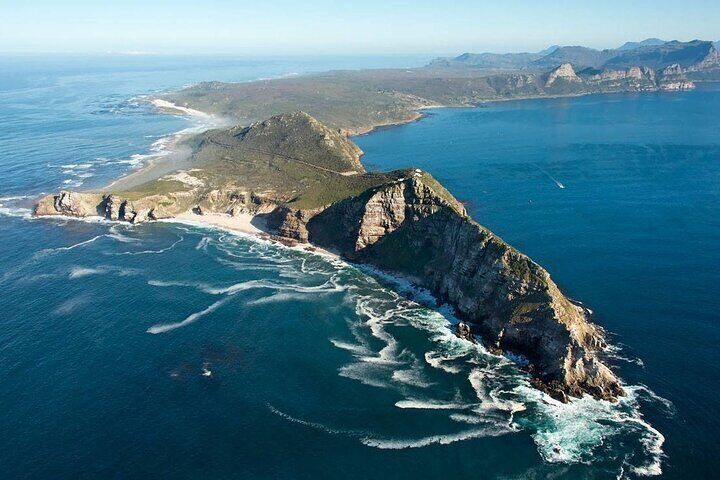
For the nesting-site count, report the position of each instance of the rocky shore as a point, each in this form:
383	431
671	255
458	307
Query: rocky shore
314	191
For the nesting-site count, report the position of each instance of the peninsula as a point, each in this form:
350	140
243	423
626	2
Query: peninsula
297	177
356	101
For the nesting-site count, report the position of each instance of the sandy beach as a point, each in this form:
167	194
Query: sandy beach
169	107
244	222
174	154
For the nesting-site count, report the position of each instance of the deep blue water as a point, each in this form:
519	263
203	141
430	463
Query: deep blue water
172	351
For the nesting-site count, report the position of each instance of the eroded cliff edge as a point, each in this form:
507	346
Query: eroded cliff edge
306	180
414	227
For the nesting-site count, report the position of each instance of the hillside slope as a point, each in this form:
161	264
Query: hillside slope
306	180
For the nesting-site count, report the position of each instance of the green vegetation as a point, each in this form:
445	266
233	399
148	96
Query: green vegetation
155	187
354	101
685	54
358	101
290	159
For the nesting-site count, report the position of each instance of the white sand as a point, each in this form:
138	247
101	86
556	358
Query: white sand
240	223
246	224
165	105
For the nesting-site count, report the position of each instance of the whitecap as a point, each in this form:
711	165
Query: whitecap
79	272
166	327
150	252
203	244
315	425
356	349
367	375
411	377
122	238
18	212
613	352
279	297
430	405
439	361
47	251
72	305
643	389
445	439
653	441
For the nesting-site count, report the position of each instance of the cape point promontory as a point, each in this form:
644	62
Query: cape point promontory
302	181
299	179
330	239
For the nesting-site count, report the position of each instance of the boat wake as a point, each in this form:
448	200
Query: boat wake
547	174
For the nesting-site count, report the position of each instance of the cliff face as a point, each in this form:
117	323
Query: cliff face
673	77
414	227
564	72
72	204
308	182
133	209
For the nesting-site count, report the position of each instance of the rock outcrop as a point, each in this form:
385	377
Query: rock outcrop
69	203
673	78
631	79
564	72
462	330
403	222
134	209
415	228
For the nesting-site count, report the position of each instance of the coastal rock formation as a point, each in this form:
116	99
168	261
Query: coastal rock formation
73	204
673	77
414	227
308	181
564	72
126	207
462	330
631	79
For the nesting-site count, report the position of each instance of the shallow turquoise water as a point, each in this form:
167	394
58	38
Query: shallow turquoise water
174	351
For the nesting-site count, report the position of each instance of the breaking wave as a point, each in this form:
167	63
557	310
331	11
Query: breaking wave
396	339
166	327
445	439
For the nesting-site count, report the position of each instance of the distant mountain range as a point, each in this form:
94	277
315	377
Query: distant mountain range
653	53
648	42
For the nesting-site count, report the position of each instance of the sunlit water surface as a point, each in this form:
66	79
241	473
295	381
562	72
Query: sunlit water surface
168	350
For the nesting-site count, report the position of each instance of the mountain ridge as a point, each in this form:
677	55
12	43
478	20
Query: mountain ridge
404	222
643	43
653	53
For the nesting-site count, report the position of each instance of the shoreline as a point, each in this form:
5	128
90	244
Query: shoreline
174	155
247	225
157	165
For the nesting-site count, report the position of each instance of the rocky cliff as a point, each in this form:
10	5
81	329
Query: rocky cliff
564	72
128	207
414	227
307	180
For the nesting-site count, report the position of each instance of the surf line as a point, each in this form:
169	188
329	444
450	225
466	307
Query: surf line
555	180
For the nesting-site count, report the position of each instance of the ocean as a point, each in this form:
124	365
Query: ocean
174	351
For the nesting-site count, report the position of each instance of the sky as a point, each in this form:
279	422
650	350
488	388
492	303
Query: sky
283	27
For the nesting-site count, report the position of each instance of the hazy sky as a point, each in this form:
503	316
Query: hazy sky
352	27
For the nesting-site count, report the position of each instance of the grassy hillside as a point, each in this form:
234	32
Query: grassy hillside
356	101
289	158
